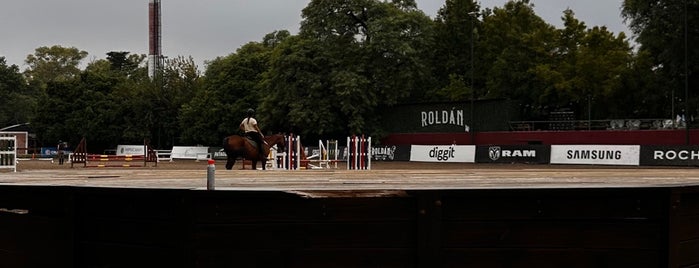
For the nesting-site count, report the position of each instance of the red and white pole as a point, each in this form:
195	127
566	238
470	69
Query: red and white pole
210	172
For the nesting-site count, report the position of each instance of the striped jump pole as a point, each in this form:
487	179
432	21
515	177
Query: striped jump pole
358	153
293	152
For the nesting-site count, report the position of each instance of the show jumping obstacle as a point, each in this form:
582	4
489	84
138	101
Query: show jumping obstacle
327	156
294	154
8	153
80	155
358	153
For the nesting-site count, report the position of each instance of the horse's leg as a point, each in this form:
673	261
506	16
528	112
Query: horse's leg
254	164
231	161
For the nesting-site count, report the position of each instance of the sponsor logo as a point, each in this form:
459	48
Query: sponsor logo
594	154
442	155
383	153
220	154
675	155
444	117
496	153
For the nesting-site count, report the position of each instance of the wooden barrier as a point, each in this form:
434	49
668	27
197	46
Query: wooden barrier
292	158
80	155
8	153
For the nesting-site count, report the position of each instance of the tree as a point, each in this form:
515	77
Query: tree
181	79
351	59
122	62
666	31
586	69
17	100
456	27
53	64
230	87
514	42
296	90
102	103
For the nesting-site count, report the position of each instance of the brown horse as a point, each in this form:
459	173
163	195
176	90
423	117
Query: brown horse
238	146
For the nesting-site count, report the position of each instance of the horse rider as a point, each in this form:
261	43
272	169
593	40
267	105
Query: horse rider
249	126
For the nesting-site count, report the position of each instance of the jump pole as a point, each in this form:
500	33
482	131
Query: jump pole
358	152
293	152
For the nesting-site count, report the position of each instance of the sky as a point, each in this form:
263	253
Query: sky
203	29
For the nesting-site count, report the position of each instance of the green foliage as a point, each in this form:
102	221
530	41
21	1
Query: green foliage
230	87
17	99
53	64
351	62
113	102
455	33
667	34
515	42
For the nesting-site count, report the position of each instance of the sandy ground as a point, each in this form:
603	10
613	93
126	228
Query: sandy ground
191	174
220	164
376	165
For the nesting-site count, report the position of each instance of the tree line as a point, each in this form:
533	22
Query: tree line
353	60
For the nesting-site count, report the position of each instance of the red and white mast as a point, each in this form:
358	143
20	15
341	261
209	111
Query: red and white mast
154	36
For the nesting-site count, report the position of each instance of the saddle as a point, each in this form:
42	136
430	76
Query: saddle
251	141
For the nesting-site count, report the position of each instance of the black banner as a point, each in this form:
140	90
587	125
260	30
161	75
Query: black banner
390	153
378	152
669	156
217	153
538	154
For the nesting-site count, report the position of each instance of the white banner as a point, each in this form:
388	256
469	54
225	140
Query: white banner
443	153
627	155
186	152
130	150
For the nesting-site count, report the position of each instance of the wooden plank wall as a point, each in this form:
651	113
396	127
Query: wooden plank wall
566	228
684	238
101	227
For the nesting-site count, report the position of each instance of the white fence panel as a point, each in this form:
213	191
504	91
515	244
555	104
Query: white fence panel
8	153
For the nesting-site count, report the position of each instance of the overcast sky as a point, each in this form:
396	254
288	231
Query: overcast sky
203	29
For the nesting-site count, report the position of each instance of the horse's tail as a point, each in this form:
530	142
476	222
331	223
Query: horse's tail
225	144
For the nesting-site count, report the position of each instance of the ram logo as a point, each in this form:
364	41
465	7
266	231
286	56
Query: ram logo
494	153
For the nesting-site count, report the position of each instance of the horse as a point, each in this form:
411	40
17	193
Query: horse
236	145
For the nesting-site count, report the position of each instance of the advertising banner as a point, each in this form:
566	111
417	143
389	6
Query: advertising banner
193	152
130	150
390	153
596	154
451	117
217	153
538	154
443	153
670	155
49	151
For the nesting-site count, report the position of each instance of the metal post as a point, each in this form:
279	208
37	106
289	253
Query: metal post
589	111
473	89
686	78
210	170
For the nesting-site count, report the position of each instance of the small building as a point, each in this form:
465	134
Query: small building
26	141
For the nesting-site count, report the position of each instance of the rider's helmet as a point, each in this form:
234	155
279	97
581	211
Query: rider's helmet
251	112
